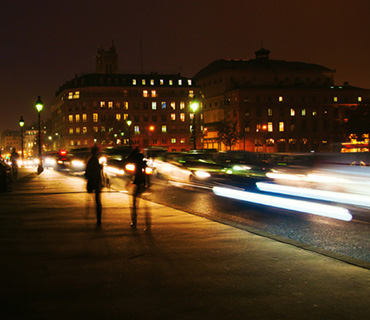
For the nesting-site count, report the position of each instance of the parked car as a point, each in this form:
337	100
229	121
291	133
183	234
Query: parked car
5	177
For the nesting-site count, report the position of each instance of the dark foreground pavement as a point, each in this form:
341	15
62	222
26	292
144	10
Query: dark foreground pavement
55	264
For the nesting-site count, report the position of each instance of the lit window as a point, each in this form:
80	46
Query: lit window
191	94
173	140
134	82
280	99
163	103
170	82
125	103
84	129
182	117
182	105
118	105
71	143
164	129
303	112
154	93
77	118
110	104
359	99
292	112
85	142
180	82
70	130
173	105
314	113
269	112
189	82
70	118
76	95
70	95
281	126
154	105
152	82
102	104
118	116
335	99
270	127
96	129
78	130
84	117
258	127
182	140
125	116
161	82
173	116
102	129
137	129
95	117
145	93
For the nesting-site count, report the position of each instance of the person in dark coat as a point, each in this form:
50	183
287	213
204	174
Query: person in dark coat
139	185
94	181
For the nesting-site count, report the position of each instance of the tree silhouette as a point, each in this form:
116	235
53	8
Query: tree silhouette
228	133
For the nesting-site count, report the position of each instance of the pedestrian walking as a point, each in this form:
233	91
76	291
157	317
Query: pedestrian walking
94	181
14	159
139	186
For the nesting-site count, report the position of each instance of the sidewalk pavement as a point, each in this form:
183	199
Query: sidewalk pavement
55	263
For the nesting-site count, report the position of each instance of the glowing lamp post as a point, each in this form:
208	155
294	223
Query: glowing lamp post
194	106
39	105
129	122
21	123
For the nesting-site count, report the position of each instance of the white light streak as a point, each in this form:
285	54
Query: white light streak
283	203
325	195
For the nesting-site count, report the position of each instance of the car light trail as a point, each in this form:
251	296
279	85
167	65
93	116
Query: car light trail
284	203
339	197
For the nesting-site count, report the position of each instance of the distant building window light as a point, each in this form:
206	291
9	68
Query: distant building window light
270	127
170	82
84	129
314	113
182	140
77	118
173	116
163	103
134	82
161	82
152	82
154	105
173	140
143	82
70	95
292	112
84	117
78	130
118	116
125	116
180	82
303	112
70	130
102	104
71	143
110	104
70	118
359	99
76	95
145	93
269	112
164	129
95	117
182	105
191	94
335	99
281	99
96	129
125	105
154	93
173	105
137	129
182	117
189	82
281	126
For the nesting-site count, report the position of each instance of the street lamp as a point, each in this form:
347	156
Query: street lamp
39	105
194	106
21	123
129	122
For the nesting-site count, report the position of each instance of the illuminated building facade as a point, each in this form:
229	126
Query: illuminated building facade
279	106
95	108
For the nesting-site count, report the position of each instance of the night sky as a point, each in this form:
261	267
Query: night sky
45	43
